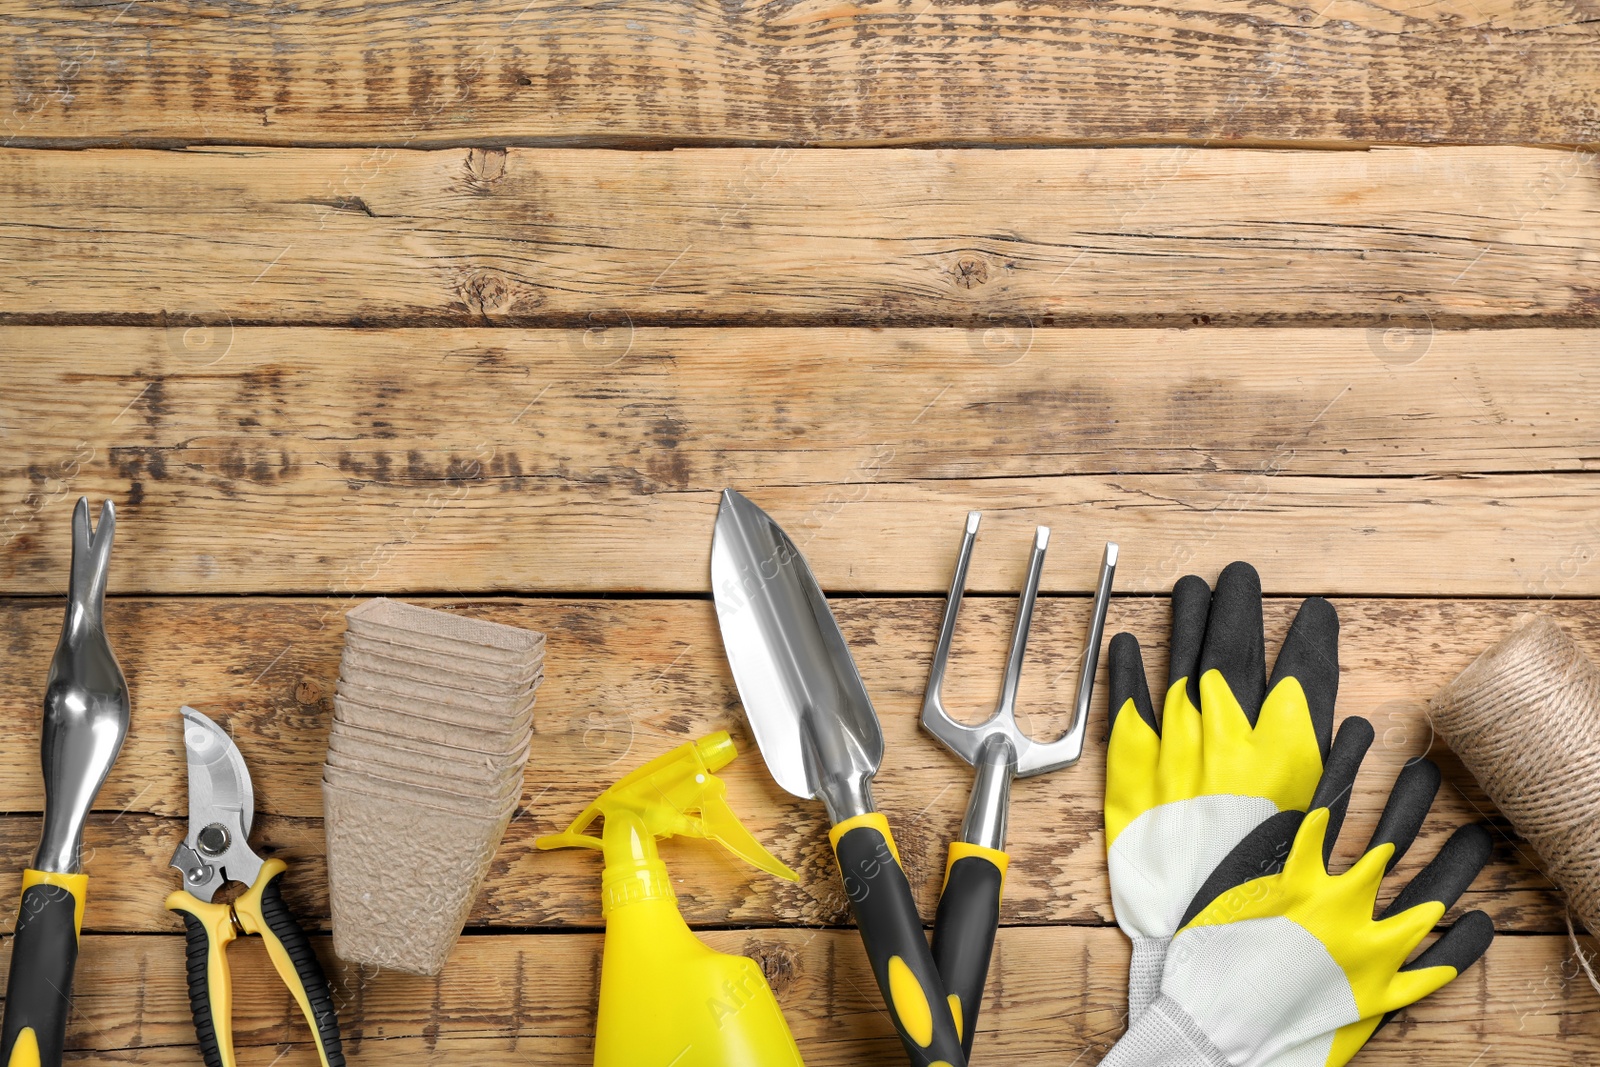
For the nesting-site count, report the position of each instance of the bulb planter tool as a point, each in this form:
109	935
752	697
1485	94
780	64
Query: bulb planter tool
665	997
820	738
85	721
969	904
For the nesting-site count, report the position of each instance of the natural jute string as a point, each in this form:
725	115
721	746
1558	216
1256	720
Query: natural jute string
1525	719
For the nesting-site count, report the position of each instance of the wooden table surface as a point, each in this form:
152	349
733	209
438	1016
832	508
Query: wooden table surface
338	300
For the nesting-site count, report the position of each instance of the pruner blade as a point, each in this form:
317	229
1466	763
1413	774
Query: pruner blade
216	849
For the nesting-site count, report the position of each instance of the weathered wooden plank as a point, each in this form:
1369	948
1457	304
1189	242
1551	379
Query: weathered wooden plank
1054	994
695	408
627	680
459	523
1201	71
958	237
315	460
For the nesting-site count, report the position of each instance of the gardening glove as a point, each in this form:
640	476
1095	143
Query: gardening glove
1229	751
1279	963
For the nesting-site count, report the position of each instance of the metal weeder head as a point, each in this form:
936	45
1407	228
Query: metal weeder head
998	748
85	702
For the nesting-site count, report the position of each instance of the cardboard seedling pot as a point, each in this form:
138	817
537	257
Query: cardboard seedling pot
515	745
458	732
417	697
402	877
479	639
434	795
437	759
449	658
479	680
489	783
433	718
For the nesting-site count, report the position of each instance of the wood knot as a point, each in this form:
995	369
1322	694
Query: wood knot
485	167
308	692
779	963
488	292
485	291
970	272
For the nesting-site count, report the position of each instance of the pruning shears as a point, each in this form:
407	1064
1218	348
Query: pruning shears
216	851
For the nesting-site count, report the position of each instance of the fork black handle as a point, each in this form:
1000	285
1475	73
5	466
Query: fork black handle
964	929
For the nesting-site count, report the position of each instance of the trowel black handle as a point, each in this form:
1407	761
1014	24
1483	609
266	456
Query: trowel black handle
902	963
44	953
964	929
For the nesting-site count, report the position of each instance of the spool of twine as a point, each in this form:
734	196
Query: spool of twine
1525	720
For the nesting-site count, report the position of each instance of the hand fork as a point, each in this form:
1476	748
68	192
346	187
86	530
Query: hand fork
969	904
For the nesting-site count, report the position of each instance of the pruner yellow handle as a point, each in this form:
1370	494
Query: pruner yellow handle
208	928
262	912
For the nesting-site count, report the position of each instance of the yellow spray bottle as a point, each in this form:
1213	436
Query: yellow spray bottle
666	999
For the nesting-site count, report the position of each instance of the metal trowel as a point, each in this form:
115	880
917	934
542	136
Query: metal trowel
819	735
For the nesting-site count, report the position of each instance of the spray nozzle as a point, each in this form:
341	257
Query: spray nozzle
661	799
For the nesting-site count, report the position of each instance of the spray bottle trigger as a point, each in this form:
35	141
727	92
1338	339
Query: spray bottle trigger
724	827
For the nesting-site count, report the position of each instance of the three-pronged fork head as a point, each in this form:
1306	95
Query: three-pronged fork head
998	747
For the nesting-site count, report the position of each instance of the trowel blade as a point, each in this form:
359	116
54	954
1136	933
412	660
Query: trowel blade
801	691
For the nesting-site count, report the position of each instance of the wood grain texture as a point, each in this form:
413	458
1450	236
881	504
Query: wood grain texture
958	237
801	71
175	328
1501	535
1055	996
249	460
629	680
673	409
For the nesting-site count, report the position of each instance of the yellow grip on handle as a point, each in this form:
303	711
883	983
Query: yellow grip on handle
897	947
25	1053
960	850
210	998
76	884
262	911
875	820
252	921
44	955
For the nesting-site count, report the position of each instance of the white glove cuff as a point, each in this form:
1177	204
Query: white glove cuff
1164	1036
1144	973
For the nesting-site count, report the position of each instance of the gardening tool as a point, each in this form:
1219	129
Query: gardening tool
85	720
665	997
969	905
215	851
820	737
